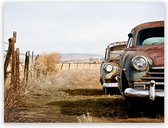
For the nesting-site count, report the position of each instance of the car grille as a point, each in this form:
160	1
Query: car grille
157	74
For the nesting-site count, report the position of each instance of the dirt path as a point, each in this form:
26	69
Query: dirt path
70	97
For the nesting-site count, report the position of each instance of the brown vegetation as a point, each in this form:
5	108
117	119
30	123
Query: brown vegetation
75	96
46	63
13	98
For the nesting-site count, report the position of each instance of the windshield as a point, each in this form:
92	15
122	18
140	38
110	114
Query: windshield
116	51
150	36
114	55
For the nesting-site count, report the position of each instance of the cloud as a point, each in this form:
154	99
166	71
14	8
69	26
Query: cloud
73	26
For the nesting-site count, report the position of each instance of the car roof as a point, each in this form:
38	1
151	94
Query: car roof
148	25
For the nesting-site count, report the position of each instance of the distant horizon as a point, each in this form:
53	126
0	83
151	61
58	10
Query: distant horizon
73	53
82	53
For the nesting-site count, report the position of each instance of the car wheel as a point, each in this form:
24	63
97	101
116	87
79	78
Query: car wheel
133	107
130	107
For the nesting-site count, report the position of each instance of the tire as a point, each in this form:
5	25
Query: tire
130	107
134	107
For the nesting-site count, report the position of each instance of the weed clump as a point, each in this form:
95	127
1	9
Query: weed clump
46	64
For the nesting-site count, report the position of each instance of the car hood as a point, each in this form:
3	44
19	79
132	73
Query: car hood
155	52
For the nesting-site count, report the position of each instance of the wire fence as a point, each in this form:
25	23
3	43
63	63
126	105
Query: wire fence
16	74
68	66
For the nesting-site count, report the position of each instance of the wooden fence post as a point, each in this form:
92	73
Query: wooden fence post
12	55
14	73
36	74
32	64
14	34
26	68
69	65
28	61
18	68
8	55
32	56
62	66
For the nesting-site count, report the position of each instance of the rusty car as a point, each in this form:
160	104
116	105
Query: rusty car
142	63
109	67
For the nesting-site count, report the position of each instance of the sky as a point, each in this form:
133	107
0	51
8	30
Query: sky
75	27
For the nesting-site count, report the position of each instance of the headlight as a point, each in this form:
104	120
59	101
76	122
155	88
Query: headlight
140	63
108	68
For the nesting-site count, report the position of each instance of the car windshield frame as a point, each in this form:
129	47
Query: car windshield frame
115	52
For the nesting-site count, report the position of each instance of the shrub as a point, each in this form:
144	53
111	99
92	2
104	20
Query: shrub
46	63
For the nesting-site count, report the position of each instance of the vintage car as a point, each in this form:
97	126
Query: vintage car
109	67
142	63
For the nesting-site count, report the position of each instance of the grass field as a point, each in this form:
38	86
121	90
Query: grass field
75	96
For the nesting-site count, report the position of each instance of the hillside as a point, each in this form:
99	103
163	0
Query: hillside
80	57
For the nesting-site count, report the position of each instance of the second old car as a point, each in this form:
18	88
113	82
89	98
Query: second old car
109	69
142	63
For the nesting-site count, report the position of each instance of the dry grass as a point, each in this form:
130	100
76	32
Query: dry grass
12	100
46	63
86	118
64	80
74	96
78	98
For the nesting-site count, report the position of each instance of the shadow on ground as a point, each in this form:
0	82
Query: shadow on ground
84	92
145	107
114	107
100	107
89	92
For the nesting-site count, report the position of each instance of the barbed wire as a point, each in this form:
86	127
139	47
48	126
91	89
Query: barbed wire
6	43
19	53
5	50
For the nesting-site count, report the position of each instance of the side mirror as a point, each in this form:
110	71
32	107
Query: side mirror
130	35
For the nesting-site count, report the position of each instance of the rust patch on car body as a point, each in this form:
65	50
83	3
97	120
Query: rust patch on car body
155	52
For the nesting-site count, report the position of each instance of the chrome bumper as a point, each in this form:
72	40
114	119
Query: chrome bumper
112	85
151	93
